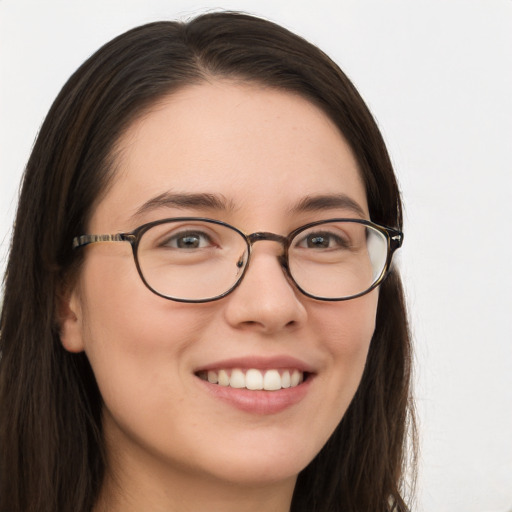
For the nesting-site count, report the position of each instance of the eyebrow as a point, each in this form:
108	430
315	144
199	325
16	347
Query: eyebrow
198	201
329	202
208	202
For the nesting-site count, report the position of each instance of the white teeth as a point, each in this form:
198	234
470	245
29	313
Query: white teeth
223	378
253	379
285	379
270	380
237	379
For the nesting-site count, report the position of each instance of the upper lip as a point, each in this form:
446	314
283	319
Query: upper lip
260	363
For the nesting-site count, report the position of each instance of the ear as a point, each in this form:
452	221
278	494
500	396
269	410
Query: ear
70	321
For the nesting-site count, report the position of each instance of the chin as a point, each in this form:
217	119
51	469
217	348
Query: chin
256	461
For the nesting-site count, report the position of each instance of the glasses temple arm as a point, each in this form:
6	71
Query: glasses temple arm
81	241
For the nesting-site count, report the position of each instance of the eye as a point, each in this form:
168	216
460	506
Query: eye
323	240
188	240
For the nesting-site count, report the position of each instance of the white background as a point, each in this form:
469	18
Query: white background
438	77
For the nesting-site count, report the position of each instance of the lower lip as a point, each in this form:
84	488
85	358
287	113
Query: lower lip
260	402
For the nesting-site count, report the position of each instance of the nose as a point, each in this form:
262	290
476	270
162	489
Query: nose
265	301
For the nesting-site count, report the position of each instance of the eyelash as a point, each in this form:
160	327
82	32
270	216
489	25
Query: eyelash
339	241
172	241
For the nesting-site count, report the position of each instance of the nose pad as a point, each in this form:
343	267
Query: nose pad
266	299
241	261
281	258
241	265
283	261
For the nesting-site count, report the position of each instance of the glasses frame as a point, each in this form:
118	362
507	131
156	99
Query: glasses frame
393	236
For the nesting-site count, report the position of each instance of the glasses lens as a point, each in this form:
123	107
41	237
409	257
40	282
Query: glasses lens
191	259
337	260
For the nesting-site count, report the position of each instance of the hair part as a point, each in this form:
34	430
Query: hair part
51	446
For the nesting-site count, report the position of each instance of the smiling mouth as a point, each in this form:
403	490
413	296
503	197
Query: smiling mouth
254	379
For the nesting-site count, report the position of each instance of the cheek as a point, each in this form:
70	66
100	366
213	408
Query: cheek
349	326
127	331
344	330
121	308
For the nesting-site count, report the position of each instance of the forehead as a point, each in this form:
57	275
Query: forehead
258	148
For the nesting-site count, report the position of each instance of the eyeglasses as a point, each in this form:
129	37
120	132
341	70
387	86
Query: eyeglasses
191	259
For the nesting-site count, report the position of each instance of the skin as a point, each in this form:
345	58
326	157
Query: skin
171	445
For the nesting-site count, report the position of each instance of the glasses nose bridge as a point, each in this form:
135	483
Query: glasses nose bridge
271	237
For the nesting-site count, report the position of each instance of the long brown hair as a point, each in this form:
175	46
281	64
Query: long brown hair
51	447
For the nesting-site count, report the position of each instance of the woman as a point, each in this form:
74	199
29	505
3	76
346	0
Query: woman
200	310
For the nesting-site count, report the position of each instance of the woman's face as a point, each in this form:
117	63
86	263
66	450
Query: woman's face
261	153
